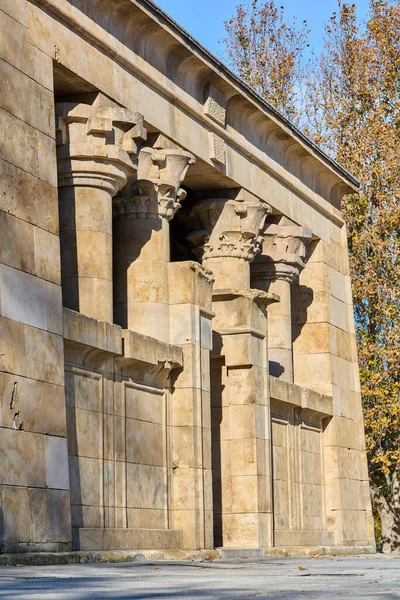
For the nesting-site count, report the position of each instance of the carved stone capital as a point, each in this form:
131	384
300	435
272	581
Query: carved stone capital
97	144
227	228
283	253
157	192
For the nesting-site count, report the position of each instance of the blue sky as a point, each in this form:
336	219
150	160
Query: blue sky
204	19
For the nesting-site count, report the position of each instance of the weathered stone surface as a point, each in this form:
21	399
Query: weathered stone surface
167	379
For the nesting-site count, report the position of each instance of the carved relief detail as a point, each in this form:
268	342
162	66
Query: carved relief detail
157	191
283	253
228	228
98	143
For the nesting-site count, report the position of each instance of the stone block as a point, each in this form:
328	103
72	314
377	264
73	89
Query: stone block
139	518
17	249
189	283
50	516
341	314
279	433
312	338
26	99
44	355
347	403
54	308
57	463
15	9
14	518
244	457
206	331
243	530
190	376
344	433
311	441
12	346
85	330
184	488
23	297
146	486
242	421
83	391
85	433
23	461
87	516
28	198
187	447
42	66
184	323
221	458
345	374
243	349
86	480
47	256
279	332
248	494
310	307
28	148
38	406
145	443
184	407
185	521
312	370
150	319
12	48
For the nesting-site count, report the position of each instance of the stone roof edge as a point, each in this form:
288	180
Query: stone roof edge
153	7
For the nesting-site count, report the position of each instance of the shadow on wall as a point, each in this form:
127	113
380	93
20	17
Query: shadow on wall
217	388
2	533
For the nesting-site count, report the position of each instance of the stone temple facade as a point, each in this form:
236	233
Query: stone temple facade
177	349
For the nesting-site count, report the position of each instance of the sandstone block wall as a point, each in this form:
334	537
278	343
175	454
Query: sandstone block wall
178	365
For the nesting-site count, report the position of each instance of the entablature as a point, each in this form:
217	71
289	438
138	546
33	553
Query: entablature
239	128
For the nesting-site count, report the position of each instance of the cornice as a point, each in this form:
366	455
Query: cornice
120	53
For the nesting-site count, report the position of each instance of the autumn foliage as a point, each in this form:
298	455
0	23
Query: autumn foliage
350	105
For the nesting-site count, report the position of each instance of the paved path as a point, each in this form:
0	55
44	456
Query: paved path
280	578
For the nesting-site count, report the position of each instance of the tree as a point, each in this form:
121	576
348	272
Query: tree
267	53
352	109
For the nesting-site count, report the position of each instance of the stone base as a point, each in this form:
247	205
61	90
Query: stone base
303	539
233	553
110	556
125	539
320	550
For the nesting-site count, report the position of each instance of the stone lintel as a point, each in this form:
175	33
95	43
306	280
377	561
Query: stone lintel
148	350
91	333
258	296
311	406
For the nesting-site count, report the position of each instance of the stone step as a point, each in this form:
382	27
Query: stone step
126	539
232	553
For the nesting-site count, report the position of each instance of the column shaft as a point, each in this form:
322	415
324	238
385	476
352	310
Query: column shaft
86	250
280	353
141	257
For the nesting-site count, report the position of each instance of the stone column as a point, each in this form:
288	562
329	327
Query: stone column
275	268
226	238
142	245
97	150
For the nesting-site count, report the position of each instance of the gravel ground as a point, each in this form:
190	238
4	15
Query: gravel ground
372	576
